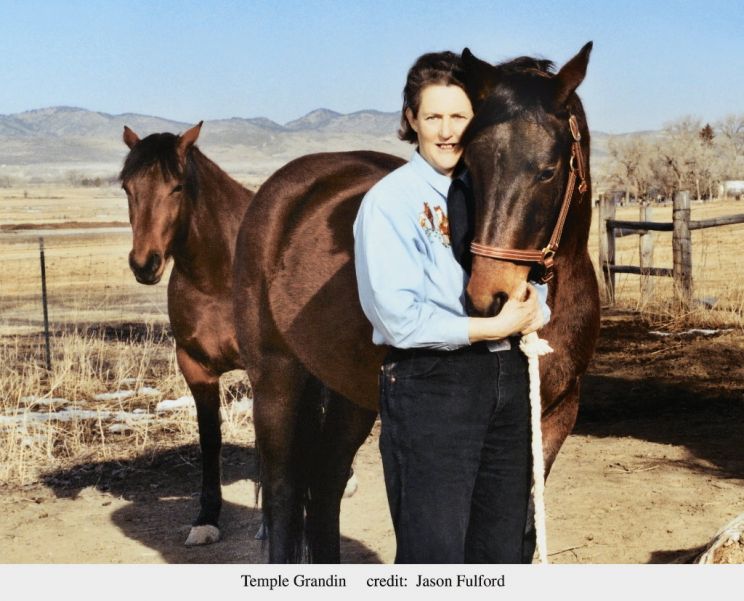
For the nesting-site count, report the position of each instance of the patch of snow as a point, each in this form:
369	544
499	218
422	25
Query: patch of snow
244	405
67	415
119	395
118	428
184	402
29	441
148	391
46	401
690	332
125	416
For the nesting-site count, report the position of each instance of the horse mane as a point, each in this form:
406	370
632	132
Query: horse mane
523	86
161	150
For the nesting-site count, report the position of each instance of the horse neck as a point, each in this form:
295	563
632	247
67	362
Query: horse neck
205	253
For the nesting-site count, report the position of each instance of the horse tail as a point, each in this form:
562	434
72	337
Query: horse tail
306	452
304	465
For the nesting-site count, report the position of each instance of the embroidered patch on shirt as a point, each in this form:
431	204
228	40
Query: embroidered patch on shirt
435	224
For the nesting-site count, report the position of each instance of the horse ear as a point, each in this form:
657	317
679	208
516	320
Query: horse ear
129	137
480	77
187	139
571	75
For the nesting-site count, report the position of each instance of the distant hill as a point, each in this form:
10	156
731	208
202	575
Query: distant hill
54	143
50	144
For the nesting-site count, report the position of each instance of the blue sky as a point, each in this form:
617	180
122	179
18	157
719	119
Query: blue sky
652	61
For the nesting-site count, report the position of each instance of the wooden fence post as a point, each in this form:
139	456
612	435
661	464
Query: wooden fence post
646	251
607	245
682	248
42	262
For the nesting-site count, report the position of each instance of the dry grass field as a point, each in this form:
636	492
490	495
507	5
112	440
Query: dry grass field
113	365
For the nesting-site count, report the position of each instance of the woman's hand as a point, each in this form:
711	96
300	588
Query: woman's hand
516	317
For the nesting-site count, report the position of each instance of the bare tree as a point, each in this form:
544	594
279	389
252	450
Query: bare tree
730	149
731	127
629	165
682	149
688	155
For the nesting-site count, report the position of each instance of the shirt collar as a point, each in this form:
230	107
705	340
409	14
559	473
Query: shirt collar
436	180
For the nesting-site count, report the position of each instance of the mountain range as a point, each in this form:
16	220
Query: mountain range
57	143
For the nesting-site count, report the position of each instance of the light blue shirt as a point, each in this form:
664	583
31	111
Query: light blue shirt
411	287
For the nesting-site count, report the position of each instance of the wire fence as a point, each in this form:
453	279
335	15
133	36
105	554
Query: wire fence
88	281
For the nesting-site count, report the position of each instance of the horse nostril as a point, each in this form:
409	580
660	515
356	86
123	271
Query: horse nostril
146	273
153	262
499	300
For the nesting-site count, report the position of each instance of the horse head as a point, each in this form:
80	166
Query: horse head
521	152
159	181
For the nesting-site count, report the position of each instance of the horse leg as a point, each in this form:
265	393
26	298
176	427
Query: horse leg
205	388
278	415
345	428
556	426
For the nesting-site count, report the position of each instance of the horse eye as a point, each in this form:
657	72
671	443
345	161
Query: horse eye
546	175
178	188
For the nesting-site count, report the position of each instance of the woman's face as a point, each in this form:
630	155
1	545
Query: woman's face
444	112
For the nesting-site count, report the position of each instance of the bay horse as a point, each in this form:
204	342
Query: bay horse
298	317
183	206
527	152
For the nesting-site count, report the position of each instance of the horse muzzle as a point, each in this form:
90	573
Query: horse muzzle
492	283
150	271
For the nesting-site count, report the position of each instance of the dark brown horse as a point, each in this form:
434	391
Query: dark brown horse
183	206
298	317
521	153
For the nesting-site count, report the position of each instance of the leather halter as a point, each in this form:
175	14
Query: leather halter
544	257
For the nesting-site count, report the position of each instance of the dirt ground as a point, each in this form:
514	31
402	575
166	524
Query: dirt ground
652	471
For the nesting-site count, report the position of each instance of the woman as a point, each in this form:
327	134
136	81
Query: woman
454	389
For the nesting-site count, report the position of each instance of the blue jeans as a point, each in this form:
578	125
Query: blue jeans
455	446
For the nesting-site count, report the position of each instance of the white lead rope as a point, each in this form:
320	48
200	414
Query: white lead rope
534	347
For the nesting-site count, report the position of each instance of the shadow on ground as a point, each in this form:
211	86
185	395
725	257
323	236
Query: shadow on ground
683	390
162	490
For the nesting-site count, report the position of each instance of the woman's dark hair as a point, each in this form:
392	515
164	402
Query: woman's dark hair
434	68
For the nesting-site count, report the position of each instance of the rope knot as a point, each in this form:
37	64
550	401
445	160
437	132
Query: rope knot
534	346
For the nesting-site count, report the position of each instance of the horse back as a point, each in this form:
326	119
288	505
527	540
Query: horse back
295	258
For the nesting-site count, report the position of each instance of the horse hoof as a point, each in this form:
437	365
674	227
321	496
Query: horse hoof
203	535
263	532
351	486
